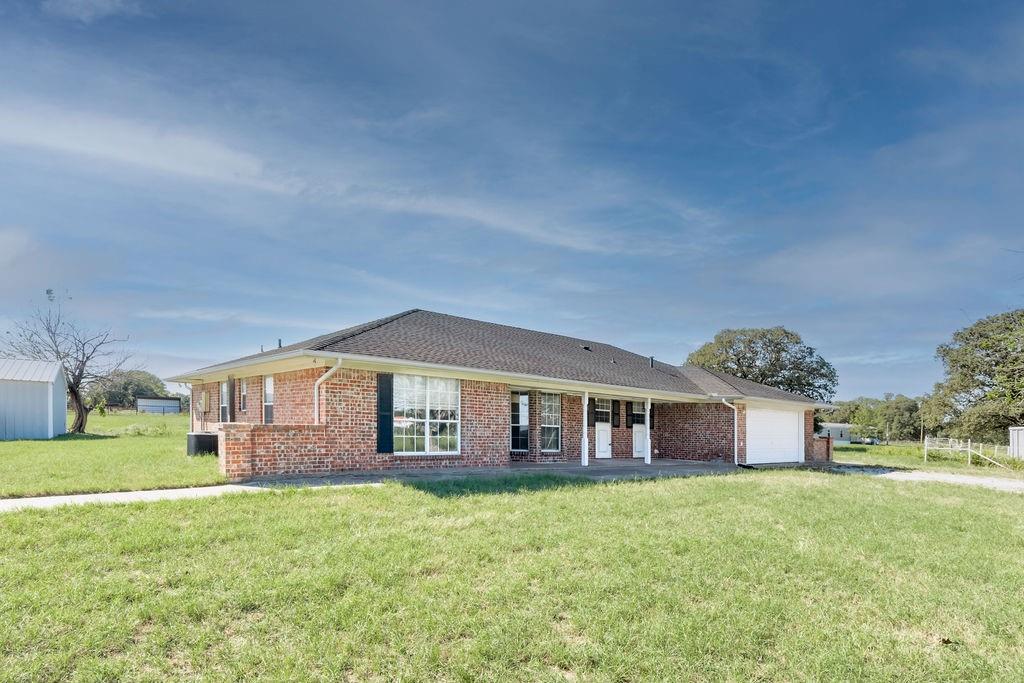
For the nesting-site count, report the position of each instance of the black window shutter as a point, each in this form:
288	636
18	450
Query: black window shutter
615	414
591	417
231	399
629	413
651	426
385	413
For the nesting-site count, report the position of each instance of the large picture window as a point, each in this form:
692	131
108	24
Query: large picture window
551	422
520	416
426	418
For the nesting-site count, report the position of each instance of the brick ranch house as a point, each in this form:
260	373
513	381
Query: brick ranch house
422	389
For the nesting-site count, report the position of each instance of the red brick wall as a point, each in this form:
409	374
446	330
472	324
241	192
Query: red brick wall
347	439
808	435
696	431
209	419
571	425
293	395
253	412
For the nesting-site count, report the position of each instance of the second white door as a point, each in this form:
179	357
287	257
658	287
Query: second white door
603	439
639	440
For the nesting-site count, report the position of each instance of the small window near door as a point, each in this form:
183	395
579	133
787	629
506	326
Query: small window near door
243	402
551	422
603	410
224	396
268	400
638	412
520	421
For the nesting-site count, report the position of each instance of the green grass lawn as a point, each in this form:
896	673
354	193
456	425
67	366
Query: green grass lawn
122	451
778	575
912	456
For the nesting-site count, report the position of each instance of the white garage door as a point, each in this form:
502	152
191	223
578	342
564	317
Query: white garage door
774	436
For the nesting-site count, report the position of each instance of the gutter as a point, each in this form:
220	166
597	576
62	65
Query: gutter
735	432
316	390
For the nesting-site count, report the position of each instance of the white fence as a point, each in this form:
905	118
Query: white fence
981	451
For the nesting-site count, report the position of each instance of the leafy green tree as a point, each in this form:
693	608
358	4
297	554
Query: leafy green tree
121	388
983	391
894	415
773	356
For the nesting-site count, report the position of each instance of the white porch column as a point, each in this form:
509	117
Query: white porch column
584	442
647	425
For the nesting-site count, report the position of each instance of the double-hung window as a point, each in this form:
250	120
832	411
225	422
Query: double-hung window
225	396
551	422
602	410
520	421
426	415
243	401
268	399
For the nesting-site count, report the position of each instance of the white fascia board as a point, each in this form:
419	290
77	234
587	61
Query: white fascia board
221	371
778	404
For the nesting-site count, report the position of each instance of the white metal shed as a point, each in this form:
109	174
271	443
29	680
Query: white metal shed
33	399
1017	442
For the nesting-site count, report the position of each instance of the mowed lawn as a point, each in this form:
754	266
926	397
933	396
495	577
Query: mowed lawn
911	455
122	451
777	575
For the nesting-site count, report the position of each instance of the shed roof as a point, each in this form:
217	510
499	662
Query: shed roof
23	370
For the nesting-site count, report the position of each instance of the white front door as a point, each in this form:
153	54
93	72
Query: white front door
603	438
639	440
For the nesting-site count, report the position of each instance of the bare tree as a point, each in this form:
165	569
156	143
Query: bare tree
87	356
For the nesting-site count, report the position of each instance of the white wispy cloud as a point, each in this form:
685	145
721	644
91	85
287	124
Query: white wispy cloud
233	315
137	143
88	11
999	61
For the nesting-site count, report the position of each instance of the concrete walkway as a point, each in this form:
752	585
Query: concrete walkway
42	502
996	483
608	470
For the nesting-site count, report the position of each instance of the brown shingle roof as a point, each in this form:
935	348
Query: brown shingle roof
437	338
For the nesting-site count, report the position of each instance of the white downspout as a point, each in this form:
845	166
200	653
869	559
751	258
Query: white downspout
316	390
735	432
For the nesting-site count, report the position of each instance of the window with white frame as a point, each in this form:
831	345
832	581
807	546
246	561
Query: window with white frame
268	399
426	415
224	397
520	421
639	412
602	410
551	422
244	390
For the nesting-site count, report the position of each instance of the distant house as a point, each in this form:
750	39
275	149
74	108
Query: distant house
839	431
33	399
159	405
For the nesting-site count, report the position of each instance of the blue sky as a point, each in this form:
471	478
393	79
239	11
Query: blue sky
209	177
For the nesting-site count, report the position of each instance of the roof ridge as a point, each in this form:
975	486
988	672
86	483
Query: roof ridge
361	329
